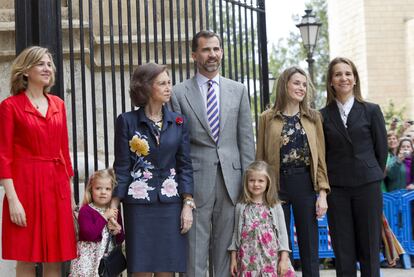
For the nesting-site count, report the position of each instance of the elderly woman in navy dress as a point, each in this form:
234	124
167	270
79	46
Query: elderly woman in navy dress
154	174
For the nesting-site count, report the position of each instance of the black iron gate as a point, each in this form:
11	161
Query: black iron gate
103	41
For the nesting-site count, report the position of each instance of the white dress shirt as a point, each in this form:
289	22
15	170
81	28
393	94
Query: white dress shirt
202	82
345	108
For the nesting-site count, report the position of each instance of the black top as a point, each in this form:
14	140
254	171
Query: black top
294	151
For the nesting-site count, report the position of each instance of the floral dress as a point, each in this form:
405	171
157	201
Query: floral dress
90	253
258	251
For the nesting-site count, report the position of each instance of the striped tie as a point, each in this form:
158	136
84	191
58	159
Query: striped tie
213	110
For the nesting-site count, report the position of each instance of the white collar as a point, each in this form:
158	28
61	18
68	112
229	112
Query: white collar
202	80
347	106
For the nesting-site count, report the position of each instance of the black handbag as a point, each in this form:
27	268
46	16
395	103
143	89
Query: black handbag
112	263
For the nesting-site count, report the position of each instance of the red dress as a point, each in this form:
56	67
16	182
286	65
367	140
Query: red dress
34	153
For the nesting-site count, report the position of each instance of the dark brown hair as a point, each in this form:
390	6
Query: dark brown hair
270	197
282	92
331	91
203	34
401	142
142	80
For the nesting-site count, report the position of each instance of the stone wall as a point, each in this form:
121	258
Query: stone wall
378	36
112	84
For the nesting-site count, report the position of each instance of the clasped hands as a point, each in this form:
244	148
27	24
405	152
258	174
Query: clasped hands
111	215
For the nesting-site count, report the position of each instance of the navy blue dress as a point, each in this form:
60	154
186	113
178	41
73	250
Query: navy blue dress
151	178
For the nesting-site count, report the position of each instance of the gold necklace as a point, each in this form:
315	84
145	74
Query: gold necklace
156	118
32	99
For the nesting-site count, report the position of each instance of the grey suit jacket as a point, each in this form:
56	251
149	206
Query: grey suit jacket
234	150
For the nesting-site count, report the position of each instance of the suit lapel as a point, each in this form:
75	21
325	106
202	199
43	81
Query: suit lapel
225	102
337	120
354	114
196	103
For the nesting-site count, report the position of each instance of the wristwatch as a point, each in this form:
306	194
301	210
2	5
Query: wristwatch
189	202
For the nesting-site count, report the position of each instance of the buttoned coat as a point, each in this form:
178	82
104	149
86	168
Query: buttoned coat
269	141
170	159
235	147
355	155
34	153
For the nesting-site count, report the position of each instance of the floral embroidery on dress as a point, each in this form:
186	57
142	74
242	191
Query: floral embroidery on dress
139	144
294	151
169	186
140	173
139	190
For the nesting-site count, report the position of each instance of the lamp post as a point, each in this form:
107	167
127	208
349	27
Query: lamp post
272	81
309	31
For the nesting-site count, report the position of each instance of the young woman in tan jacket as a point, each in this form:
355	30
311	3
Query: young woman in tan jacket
291	139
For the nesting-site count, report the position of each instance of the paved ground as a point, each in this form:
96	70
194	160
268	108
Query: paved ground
386	272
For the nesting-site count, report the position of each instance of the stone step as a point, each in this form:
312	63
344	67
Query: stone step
7	26
97	59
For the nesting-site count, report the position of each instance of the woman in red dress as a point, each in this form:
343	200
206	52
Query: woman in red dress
35	169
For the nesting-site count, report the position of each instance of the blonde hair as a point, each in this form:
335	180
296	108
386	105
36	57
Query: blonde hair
331	94
28	58
100	174
270	197
282	92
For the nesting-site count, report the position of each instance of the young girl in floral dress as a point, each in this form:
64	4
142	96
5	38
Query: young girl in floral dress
96	222
260	242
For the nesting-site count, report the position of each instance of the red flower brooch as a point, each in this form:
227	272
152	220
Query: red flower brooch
179	120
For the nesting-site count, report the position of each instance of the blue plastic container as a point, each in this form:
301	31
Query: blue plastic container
325	246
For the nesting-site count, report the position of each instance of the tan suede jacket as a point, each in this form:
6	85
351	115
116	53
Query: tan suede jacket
269	143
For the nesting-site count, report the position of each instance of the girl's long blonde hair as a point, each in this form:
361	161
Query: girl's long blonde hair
270	198
100	174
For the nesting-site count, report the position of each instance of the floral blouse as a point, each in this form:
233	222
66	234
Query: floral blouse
294	151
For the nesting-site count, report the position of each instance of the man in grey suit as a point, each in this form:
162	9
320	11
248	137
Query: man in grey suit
222	146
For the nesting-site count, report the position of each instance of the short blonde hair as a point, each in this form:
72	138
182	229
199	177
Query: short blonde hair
100	174
270	197
28	58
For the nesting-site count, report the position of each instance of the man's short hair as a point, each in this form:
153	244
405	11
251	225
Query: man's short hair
203	34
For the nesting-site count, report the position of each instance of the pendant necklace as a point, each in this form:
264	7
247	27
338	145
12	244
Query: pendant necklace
32	99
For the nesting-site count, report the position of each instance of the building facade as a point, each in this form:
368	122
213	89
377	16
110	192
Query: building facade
378	36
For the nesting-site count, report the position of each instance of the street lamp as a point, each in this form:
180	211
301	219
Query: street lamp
272	81
309	30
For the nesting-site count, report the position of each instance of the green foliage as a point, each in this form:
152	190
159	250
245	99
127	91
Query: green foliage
290	51
391	111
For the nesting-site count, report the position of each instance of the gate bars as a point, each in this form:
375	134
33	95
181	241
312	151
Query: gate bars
105	40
